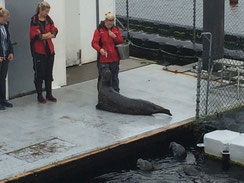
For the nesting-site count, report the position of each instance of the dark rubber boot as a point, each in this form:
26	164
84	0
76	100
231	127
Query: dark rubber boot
49	96
40	98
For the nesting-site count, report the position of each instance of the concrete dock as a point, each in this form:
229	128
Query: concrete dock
34	136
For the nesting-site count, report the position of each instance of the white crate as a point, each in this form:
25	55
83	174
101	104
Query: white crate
217	141
237	149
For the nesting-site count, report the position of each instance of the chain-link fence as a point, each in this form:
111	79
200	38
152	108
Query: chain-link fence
152	23
163	17
176	18
220	86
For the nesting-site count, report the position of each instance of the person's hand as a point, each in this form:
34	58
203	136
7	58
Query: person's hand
1	59
102	52
51	36
10	56
111	34
46	36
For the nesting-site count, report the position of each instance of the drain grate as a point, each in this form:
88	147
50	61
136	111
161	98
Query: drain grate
42	150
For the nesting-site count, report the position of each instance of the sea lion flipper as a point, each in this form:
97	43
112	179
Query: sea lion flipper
167	112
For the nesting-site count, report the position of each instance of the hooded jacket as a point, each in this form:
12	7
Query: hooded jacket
39	47
101	39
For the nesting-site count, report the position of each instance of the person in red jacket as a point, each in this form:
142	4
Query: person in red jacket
105	39
42	31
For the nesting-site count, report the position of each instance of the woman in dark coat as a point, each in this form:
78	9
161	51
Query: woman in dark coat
6	55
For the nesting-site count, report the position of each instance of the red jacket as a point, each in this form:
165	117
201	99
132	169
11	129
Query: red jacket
101	40
36	31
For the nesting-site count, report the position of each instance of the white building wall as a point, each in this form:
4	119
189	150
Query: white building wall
79	28
83	40
2	3
57	13
86	29
72	22
105	6
88	25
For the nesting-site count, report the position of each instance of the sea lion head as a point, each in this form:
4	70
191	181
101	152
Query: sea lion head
106	77
172	145
140	162
178	150
144	165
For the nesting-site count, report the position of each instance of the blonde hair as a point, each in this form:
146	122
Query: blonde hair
42	6
3	12
109	15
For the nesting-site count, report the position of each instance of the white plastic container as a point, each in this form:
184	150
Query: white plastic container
217	141
236	148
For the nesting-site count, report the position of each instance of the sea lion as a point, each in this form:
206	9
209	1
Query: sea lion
178	150
112	101
190	170
144	165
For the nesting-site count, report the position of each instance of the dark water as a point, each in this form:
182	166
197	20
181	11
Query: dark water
181	12
169	170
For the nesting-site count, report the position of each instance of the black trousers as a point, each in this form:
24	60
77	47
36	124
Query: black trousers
3	75
114	68
43	69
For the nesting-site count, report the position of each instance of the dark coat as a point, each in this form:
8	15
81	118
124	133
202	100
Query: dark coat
10	47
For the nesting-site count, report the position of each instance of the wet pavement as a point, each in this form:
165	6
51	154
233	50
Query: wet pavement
33	136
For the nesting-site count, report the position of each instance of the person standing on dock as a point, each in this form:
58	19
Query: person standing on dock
6	55
105	39
42	31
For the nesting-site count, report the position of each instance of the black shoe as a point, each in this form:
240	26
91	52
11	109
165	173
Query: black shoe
7	104
41	99
51	98
2	107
